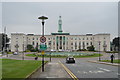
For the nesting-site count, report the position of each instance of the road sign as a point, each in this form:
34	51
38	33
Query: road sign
42	39
43	52
43	46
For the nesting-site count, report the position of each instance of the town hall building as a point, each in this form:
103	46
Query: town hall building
61	41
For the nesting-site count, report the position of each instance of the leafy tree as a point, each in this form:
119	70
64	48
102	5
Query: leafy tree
91	48
30	47
5	40
116	43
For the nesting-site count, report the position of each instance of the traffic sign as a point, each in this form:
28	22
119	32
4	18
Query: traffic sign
43	52
43	46
42	39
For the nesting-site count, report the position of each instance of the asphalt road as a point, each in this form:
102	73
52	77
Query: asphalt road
84	69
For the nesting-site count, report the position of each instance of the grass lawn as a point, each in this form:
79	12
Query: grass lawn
114	61
60	56
18	68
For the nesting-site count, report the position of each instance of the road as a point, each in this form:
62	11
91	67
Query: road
84	69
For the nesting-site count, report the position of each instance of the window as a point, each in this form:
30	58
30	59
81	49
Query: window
71	47
75	38
79	39
87	38
87	44
33	43
71	38
91	43
71	43
91	38
33	38
37	38
37	44
53	38
48	38
16	38
83	38
53	43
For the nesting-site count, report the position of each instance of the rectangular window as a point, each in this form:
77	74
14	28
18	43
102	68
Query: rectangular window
91	43
37	38
87	38
91	38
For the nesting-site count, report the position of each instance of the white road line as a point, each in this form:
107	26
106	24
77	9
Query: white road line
105	69
100	71
96	71
84	72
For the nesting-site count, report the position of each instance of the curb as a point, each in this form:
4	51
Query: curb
29	75
104	63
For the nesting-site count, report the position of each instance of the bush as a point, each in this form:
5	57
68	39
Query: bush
83	50
27	51
91	48
111	51
9	52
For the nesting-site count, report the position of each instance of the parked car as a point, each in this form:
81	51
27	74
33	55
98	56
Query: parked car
70	60
15	53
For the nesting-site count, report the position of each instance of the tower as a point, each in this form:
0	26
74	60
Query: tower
60	25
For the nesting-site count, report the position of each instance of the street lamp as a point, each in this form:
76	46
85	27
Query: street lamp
43	18
99	51
50	50
23	52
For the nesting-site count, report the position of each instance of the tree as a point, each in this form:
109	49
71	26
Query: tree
30	47
5	40
91	48
115	43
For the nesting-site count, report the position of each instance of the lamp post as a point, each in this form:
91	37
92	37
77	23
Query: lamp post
99	51
43	18
23	52
50	51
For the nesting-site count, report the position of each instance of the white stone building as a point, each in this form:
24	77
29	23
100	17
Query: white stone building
61	41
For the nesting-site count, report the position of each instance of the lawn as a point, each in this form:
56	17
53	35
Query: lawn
115	61
64	56
18	68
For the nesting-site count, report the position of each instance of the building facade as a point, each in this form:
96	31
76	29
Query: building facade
61	41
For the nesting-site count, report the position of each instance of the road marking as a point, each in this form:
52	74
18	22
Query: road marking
105	69
84	72
69	72
96	71
100	71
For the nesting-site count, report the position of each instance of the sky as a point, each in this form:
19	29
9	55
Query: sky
78	18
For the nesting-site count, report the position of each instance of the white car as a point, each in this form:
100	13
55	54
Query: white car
15	53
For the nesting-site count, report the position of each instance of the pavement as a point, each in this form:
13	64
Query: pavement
52	70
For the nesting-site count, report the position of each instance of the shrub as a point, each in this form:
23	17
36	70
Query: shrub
91	48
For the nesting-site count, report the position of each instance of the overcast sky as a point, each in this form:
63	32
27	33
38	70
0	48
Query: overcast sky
77	17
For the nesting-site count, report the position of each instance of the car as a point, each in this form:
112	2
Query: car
70	60
15	53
